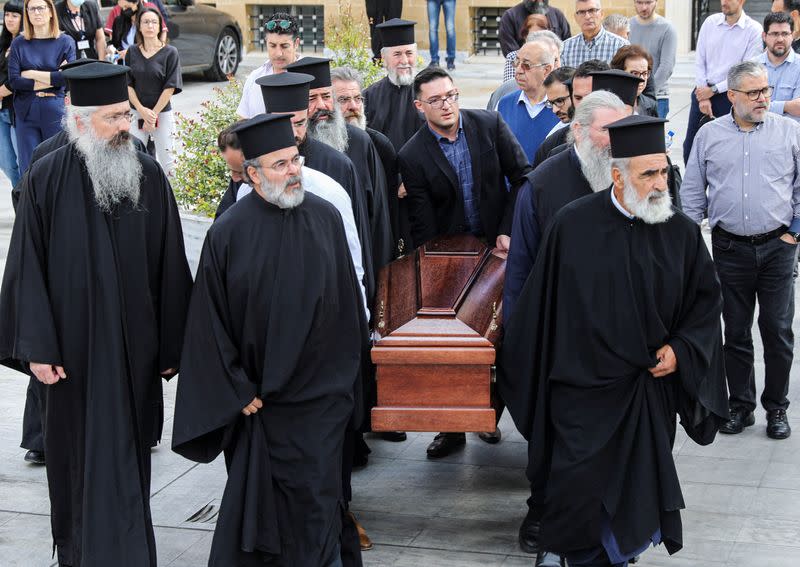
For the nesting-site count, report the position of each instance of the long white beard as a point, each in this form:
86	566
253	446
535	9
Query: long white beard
112	165
277	194
595	164
332	131
358	120
401	80
654	208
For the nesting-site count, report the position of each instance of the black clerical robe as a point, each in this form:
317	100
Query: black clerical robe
568	184
557	138
228	198
283	322
365	158
598	305
104	296
388	157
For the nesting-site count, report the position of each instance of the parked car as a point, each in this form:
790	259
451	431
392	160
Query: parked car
207	39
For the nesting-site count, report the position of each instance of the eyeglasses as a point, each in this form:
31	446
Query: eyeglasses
640	74
438	103
526	65
779	35
282	166
272	25
343	100
589	12
37	9
148	23
766	92
118	117
556	102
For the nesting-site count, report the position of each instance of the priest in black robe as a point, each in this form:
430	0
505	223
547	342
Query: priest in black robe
595	384
326	124
93	304
272	352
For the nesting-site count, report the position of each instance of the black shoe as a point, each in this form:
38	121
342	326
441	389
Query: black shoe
34	457
549	559
740	418
491	438
529	534
445	443
778	424
451	66
433	64
393	436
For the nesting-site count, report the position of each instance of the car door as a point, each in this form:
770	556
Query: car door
188	33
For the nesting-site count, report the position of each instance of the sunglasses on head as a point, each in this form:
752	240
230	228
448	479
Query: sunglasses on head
283	24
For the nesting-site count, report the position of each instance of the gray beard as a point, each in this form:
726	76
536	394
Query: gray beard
359	121
332	132
276	193
113	167
401	80
595	165
655	208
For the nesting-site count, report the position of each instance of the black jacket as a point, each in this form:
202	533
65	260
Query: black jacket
435	201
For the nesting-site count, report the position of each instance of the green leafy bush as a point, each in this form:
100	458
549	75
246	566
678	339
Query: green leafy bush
347	37
201	175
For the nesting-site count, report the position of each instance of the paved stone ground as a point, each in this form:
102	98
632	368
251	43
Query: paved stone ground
742	493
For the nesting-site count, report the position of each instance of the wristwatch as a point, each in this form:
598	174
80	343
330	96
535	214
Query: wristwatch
714	89
795	235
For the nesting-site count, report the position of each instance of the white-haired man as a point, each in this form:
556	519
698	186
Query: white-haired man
594	384
93	305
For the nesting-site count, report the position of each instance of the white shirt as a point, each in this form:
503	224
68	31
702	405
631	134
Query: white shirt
326	188
533	109
558	127
252	103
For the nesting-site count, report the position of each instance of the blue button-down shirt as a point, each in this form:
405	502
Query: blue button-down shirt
784	79
752	177
457	154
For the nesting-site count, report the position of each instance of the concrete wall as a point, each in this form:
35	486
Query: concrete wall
678	11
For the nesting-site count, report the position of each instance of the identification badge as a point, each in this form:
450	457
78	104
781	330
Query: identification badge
83	44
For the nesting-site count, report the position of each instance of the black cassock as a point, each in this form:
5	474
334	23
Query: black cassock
104	296
388	157
228	198
276	312
557	138
390	110
365	158
597	306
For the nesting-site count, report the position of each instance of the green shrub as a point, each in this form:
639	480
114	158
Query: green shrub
201	175
347	37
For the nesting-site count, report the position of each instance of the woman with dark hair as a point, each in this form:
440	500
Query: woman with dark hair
33	73
635	59
154	77
80	19
12	25
121	23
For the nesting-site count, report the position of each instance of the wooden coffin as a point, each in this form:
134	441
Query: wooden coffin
437	321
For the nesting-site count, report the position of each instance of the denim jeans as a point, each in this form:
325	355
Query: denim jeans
663	107
8	148
748	272
434	7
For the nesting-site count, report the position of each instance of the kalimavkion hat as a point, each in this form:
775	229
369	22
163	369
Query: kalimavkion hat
637	136
97	84
285	92
264	134
317	67
397	32
622	84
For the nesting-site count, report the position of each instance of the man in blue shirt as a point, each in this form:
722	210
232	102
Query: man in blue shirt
783	65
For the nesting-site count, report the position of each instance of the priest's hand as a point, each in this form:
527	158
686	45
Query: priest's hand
503	243
401	192
253	406
47	373
667	363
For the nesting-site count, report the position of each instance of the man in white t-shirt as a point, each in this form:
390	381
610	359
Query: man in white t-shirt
283	42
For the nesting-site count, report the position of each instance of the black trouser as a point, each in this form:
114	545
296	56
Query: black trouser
378	11
720	106
33	416
748	272
594	557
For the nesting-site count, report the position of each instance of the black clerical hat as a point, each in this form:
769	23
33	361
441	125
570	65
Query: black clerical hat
97	84
622	84
317	67
285	92
637	136
265	133
397	32
79	62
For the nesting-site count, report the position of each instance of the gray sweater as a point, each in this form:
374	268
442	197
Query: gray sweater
661	41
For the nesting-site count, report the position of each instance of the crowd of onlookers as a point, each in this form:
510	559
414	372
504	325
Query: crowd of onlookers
41	38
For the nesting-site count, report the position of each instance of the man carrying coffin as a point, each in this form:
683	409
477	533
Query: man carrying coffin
271	356
595	385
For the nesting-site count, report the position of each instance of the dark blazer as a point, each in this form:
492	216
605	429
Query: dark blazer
435	200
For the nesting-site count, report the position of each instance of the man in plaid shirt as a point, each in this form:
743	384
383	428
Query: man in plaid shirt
593	42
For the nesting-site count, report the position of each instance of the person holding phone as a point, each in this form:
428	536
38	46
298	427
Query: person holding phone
154	77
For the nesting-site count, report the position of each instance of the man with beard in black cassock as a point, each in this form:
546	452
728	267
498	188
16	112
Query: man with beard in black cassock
389	104
595	385
326	124
93	304
272	352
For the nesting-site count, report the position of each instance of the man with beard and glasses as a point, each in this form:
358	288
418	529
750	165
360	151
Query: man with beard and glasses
744	173
272	352
556	89
583	169
326	124
782	64
594	384
93	305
